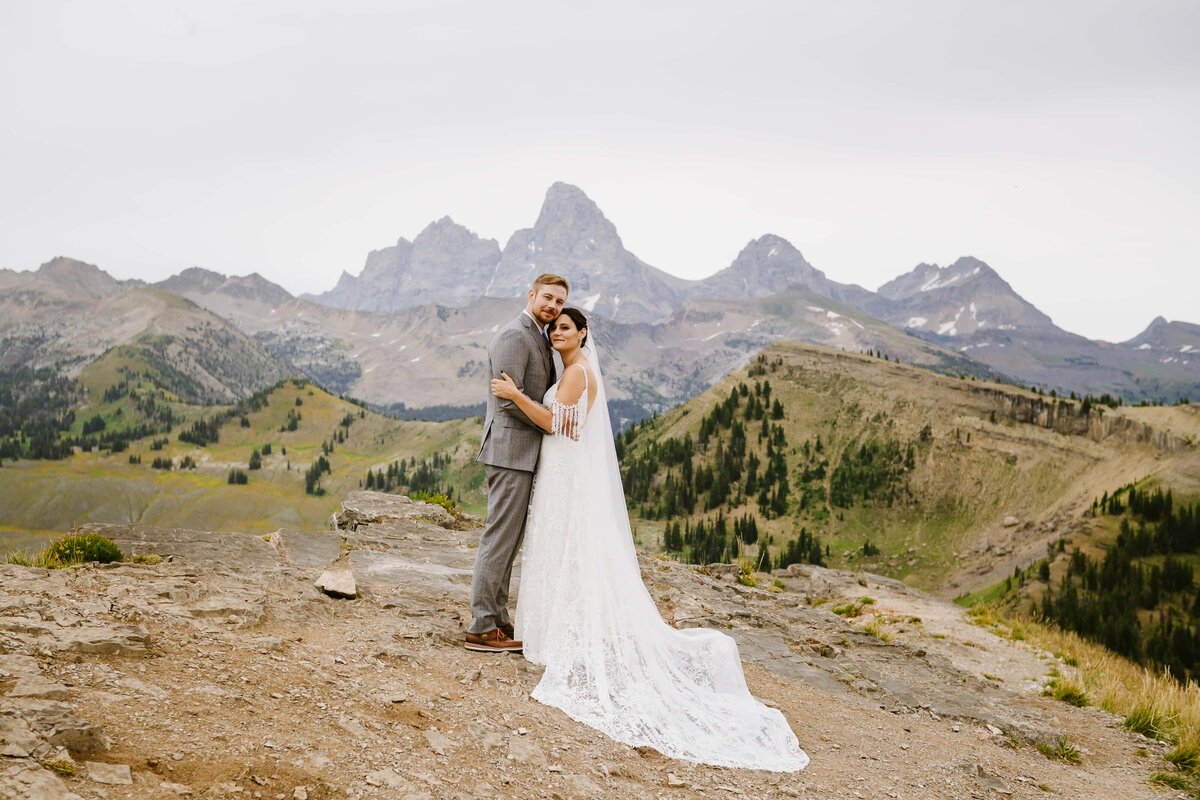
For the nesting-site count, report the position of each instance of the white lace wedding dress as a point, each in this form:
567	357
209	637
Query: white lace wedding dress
583	612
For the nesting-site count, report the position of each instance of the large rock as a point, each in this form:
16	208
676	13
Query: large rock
57	723
25	779
338	582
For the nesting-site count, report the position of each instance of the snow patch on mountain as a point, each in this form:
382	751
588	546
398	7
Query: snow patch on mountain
936	281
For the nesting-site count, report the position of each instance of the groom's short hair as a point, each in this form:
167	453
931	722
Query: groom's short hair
549	279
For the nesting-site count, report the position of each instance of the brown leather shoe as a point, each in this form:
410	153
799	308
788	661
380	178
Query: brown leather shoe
494	641
508	629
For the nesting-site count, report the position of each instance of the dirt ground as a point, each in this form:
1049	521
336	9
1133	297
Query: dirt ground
243	680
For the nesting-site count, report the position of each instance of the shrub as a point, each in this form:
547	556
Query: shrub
80	548
875	628
1061	750
1186	757
437	499
1150	721
1068	692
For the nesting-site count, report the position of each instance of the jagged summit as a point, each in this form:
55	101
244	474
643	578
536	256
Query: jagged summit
573	238
445	264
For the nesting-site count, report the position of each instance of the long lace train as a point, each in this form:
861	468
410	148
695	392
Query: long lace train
611	661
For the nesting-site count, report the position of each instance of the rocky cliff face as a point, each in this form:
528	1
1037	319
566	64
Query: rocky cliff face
574	239
224	671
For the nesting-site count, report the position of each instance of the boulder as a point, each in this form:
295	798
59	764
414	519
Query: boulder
338	582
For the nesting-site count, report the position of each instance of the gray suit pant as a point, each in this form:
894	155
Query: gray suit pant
508	509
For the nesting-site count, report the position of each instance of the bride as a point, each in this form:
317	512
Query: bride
583	612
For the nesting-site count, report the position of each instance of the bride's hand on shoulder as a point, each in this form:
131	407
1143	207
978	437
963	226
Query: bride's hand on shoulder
504	387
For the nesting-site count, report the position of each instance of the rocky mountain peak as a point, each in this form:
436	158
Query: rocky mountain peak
193	279
573	238
197	282
929	277
445	264
771	264
960	300
569	218
1179	341
79	279
256	287
445	232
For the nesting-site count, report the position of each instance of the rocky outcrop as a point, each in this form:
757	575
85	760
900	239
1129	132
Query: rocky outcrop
1098	422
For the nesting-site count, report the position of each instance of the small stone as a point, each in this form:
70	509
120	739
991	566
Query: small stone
991	781
522	731
178	788
300	793
438	742
524	750
555	768
388	778
177	756
674	780
956	727
112	774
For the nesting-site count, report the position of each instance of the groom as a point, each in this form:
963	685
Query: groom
510	449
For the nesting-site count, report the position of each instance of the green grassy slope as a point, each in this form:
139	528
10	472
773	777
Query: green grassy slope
41	497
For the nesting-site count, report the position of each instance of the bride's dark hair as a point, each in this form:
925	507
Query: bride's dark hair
580	321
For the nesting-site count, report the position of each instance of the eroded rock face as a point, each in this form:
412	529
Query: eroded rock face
236	671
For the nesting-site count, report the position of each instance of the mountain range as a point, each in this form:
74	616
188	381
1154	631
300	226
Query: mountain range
413	326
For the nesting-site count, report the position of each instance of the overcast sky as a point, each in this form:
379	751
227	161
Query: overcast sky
1054	140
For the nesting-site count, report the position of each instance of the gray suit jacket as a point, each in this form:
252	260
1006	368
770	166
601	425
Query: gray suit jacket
509	439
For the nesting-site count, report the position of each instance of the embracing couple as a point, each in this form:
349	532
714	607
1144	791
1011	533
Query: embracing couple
610	660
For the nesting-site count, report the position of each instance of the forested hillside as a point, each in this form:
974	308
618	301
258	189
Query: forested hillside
813	455
1134	592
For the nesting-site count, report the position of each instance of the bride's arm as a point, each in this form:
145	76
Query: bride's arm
570	389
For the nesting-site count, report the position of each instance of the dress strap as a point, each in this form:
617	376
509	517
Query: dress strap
585	378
